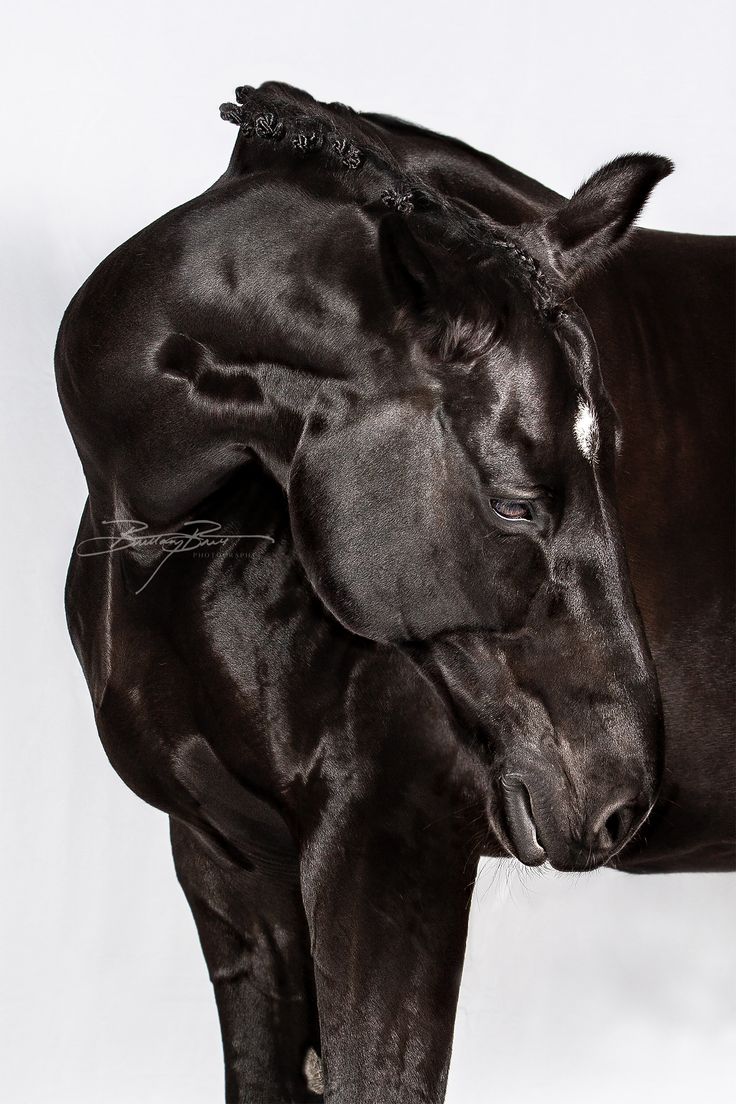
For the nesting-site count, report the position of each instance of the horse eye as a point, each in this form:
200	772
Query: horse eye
512	509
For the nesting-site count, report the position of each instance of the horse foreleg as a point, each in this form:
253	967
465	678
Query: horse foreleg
254	936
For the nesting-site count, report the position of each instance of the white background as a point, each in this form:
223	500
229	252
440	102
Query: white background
600	988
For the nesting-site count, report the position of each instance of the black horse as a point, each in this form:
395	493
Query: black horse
409	523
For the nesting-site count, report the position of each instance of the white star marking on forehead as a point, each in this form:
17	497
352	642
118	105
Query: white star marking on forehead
586	430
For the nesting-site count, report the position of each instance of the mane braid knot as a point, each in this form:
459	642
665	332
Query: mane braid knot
267	125
349	155
398	200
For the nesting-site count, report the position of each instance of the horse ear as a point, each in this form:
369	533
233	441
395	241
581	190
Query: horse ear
584	231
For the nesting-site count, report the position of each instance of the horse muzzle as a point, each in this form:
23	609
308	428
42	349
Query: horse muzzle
579	840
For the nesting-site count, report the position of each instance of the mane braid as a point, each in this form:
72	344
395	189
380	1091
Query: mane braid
273	116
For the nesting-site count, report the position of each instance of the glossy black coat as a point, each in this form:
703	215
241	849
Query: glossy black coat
354	348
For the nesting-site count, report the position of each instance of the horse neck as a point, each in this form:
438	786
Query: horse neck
449	166
499	191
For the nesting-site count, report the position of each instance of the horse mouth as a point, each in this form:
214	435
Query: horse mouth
520	820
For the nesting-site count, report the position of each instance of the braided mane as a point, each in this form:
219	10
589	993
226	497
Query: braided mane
289	123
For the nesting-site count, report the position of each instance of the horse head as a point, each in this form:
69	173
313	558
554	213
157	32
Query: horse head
451	492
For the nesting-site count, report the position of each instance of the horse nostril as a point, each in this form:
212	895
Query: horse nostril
613	826
616	827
